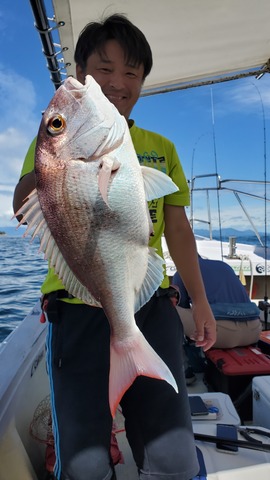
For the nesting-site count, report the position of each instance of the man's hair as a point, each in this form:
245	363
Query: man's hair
116	27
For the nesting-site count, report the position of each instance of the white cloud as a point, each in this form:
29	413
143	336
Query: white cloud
18	125
249	94
232	218
232	214
13	146
18	99
6	209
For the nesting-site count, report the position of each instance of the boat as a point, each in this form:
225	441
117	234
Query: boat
250	262
26	445
210	29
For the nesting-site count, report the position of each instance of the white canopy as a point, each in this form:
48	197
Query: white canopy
190	39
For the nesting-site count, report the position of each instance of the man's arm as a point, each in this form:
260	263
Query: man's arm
182	248
22	190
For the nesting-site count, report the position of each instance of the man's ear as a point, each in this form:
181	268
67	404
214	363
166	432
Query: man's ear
80	74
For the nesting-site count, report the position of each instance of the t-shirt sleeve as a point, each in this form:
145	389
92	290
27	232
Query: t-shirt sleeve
182	197
28	164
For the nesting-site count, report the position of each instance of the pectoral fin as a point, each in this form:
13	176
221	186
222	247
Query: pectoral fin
107	166
157	184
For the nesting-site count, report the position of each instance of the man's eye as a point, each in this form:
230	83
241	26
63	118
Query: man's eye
131	74
104	70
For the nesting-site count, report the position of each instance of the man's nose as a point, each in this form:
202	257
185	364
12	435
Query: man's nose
116	80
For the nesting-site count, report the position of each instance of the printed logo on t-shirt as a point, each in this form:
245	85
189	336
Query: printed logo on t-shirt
153	160
152	205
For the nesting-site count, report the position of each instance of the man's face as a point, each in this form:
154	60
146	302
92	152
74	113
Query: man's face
120	82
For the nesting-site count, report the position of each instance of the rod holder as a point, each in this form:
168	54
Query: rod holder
232	247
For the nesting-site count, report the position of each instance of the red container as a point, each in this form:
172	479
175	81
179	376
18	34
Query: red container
264	342
231	371
240	361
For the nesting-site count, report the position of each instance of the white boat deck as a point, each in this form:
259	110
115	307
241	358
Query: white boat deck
22	457
128	470
246	464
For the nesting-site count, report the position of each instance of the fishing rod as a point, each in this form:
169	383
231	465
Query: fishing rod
251	445
264	305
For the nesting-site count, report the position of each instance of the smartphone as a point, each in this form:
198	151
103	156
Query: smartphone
229	432
197	406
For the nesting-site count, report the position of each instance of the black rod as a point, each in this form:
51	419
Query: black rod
237	443
44	30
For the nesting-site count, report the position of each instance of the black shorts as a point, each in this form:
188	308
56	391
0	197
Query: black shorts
157	420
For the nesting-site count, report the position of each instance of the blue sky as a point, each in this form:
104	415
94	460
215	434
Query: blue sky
234	142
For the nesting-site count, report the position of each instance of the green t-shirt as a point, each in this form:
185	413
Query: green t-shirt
155	151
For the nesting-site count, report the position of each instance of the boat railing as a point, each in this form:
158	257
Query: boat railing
218	186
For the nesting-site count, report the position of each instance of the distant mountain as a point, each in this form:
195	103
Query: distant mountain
226	232
12	231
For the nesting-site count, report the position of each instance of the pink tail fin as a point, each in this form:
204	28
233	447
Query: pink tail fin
128	361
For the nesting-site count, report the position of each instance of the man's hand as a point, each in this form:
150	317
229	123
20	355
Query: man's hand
205	334
22	190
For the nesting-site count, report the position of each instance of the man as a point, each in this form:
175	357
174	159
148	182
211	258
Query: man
238	319
158	425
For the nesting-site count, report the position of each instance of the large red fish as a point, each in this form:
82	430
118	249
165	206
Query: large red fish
90	211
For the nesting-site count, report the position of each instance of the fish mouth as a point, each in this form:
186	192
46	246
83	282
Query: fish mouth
73	83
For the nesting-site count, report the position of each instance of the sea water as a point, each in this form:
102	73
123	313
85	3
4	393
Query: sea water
22	270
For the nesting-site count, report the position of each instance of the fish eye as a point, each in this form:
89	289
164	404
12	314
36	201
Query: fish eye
56	124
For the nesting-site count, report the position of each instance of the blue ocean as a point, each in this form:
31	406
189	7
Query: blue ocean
22	270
